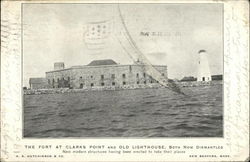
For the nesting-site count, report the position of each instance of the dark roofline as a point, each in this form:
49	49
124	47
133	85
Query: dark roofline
102	62
201	51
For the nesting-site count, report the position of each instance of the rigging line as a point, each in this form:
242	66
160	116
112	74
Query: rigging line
137	51
130	44
135	47
130	55
131	40
124	48
130	37
133	43
127	51
172	86
126	30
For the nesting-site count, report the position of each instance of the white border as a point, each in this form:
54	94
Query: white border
236	97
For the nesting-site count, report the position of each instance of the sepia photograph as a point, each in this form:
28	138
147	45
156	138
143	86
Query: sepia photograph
124	70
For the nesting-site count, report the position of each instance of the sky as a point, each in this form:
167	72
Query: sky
56	33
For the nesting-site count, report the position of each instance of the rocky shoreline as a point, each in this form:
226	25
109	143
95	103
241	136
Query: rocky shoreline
198	84
112	88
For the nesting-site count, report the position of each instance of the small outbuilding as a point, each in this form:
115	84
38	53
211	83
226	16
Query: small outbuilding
38	83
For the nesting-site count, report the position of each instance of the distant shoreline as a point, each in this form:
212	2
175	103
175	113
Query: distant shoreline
112	88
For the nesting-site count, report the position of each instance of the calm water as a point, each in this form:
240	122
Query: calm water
126	113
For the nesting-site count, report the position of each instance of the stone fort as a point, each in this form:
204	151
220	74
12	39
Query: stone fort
98	73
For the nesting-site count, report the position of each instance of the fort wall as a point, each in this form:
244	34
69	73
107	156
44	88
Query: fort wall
105	75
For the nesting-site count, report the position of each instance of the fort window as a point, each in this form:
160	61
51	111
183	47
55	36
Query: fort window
102	84
162	74
124	75
102	76
57	79
145	82
91	76
137	75
68	78
81	77
124	83
113	76
81	85
203	78
92	84
113	83
144	75
137	82
48	81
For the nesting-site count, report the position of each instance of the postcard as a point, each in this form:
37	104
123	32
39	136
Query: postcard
125	81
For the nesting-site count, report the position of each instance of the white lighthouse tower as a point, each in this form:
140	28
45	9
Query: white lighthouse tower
203	67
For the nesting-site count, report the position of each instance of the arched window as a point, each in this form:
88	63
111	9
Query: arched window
53	83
